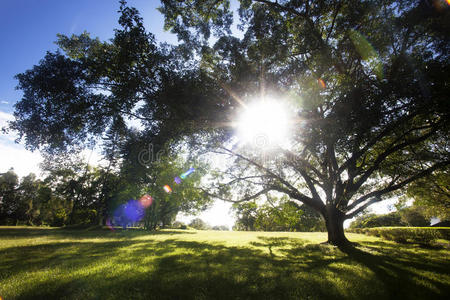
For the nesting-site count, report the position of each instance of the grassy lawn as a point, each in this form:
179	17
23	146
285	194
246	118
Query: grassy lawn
39	263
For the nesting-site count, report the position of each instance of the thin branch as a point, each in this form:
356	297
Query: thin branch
259	166
289	190
385	154
304	163
333	22
356	155
394	187
363	207
248	198
310	184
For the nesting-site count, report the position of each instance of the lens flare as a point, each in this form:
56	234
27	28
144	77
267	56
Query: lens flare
368	53
134	211
146	201
321	83
177	180
187	173
167	188
128	213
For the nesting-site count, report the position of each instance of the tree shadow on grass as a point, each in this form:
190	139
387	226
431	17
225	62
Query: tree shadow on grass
272	268
58	233
214	271
30	232
402	271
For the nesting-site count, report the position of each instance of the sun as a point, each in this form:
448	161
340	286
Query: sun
264	123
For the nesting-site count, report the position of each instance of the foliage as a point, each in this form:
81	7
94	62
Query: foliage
433	194
221	228
74	192
245	216
373	220
136	264
199	224
184	197
8	196
420	235
178	225
415	216
34	201
407	216
280	215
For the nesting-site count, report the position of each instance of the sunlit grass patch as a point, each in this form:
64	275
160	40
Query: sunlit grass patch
71	264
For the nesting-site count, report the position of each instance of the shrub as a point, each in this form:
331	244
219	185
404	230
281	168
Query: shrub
221	228
178	225
414	216
373	220
419	235
199	224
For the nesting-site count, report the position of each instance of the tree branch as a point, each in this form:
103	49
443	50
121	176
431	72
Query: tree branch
336	12
361	208
303	163
394	187
356	155
289	190
385	154
248	198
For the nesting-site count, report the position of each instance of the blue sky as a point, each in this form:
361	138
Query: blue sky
28	29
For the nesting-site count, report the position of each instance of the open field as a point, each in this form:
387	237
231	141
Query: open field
40	263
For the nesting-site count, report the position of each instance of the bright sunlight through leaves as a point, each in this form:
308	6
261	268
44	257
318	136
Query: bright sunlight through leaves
264	123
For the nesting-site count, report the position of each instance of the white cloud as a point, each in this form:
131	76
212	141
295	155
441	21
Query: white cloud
24	161
17	157
4	102
4	118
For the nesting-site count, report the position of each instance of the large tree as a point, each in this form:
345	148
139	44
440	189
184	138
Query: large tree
367	81
370	79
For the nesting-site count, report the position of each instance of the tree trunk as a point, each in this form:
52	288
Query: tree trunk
334	220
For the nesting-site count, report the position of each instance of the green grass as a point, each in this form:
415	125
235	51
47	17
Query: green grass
49	263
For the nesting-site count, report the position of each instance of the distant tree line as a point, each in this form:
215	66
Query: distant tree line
199	224
48	201
73	192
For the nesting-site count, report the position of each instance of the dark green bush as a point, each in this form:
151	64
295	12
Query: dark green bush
419	235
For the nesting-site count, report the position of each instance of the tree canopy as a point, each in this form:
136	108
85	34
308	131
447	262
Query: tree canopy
433	194
367	82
